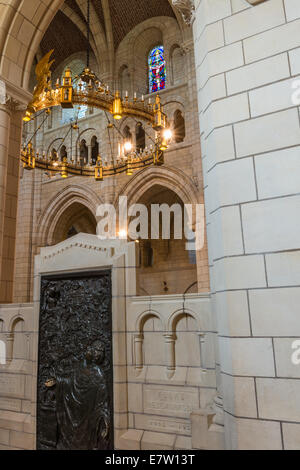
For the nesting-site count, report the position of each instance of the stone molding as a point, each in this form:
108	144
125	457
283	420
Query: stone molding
187	9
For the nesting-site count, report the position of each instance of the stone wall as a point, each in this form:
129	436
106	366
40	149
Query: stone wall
247	59
17	377
39	192
163	353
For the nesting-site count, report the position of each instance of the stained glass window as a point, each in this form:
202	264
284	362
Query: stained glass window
157	69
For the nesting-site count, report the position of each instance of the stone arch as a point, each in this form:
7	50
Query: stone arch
76	218
143	317
59	204
138	338
175	338
171	178
125	80
177	315
176	64
14	321
15	342
18	13
179	126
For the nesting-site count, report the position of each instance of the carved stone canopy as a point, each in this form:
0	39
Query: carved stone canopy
187	9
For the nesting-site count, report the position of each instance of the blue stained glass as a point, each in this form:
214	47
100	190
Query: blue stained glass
157	69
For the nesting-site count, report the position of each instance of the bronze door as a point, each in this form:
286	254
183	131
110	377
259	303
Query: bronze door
75	375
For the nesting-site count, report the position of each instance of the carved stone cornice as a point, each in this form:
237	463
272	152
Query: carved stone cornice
187	10
13	97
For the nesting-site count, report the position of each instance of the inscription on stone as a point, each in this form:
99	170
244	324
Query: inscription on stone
151	423
167	402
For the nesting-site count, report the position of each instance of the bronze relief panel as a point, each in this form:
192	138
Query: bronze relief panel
75	379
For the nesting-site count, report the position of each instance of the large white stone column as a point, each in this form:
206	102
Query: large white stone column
5	116
247	64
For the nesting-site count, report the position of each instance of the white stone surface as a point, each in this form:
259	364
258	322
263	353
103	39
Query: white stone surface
277	173
227	232
226	111
239	396
254	21
267	133
252	434
272	42
218	146
240	272
232	183
219	61
214	89
233	313
292	8
271	98
284	350
283	269
278	399
294	56
291	436
275	312
271	225
258	74
247	356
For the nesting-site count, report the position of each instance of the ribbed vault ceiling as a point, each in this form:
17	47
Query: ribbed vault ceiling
64	33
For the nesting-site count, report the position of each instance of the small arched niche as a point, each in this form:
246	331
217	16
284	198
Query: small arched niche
63	153
187	345
95	149
140	137
179	127
84	152
75	219
148	343
19	345
177	65
166	266
124	80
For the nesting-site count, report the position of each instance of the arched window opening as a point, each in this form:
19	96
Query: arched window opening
140	137
124	80
95	149
148	255
127	134
179	127
63	153
84	153
54	155
177	65
77	218
157	69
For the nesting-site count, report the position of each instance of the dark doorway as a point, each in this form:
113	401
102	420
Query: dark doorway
75	372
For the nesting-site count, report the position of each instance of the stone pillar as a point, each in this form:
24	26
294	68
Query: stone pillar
246	66
11	112
5	116
138	350
170	339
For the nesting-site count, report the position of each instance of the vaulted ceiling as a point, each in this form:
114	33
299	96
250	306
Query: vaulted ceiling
64	37
114	20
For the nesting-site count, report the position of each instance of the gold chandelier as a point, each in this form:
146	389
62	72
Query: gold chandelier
87	90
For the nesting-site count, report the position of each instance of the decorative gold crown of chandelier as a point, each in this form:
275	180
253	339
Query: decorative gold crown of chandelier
87	90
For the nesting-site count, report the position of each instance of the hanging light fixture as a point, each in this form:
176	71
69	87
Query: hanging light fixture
87	90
